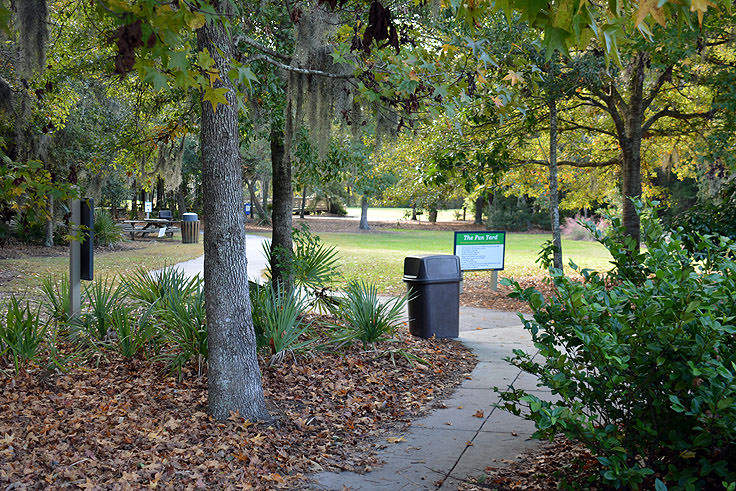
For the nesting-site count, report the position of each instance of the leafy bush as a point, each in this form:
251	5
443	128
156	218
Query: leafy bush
643	361
579	228
56	298
716	216
106	230
184	326
21	333
365	318
277	319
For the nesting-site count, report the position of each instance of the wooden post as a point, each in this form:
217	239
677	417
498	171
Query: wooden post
494	280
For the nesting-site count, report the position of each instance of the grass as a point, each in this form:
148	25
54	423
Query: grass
379	257
29	271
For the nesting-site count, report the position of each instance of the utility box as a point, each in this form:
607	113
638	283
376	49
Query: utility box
434	295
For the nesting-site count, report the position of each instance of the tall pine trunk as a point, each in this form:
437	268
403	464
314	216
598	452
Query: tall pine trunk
48	240
234	378
554	200
364	214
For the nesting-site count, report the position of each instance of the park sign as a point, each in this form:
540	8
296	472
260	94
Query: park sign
480	250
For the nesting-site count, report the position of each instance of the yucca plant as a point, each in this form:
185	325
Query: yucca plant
149	288
184	326
21	333
56	298
365	318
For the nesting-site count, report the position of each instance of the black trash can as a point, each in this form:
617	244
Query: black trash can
434	295
189	228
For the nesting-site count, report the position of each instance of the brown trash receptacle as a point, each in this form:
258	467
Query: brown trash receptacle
189	228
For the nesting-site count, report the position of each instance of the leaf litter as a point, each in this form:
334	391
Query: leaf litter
123	424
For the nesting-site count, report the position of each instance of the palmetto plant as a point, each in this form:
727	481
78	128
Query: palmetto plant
149	288
104	298
56	298
365	318
184	326
21	333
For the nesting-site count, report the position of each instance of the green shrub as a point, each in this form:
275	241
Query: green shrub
104	298
365	318
56	298
313	264
154	288
643	361
277	319
184	327
21	333
133	335
106	230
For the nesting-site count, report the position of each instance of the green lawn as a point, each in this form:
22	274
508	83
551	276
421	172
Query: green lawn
29	271
379	257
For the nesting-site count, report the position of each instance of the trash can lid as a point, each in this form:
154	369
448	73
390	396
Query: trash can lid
432	268
189	217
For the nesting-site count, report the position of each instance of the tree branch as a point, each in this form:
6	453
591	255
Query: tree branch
576	126
263	49
570	163
663	77
296	69
668	113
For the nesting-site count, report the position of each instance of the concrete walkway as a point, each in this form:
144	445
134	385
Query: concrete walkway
452	443
253	250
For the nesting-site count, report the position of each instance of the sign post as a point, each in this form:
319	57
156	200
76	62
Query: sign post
148	208
481	251
75	259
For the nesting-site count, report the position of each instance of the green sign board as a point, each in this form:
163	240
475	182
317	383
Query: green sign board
480	250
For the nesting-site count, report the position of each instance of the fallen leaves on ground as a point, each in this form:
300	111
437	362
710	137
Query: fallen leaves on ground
549	466
121	424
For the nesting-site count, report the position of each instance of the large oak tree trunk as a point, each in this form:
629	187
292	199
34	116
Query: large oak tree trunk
281	245
234	378
479	202
554	200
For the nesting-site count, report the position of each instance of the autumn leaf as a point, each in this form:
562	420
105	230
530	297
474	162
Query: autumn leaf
514	77
647	7
479	414
215	96
395	439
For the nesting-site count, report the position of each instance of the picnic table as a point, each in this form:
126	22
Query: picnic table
157	227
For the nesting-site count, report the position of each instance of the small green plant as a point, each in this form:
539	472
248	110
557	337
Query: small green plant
313	264
365	317
132	334
184	327
106	231
154	288
21	333
56	298
104	298
279	318
643	360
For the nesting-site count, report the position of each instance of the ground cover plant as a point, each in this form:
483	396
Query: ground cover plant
643	362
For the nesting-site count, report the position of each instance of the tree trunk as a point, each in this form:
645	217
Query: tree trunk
281	246
554	200
264	193
134	201
631	150
413	211
234	378
257	205
479	202
304	202
160	198
48	240
433	215
364	214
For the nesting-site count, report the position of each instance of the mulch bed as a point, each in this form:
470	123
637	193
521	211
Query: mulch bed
120	424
